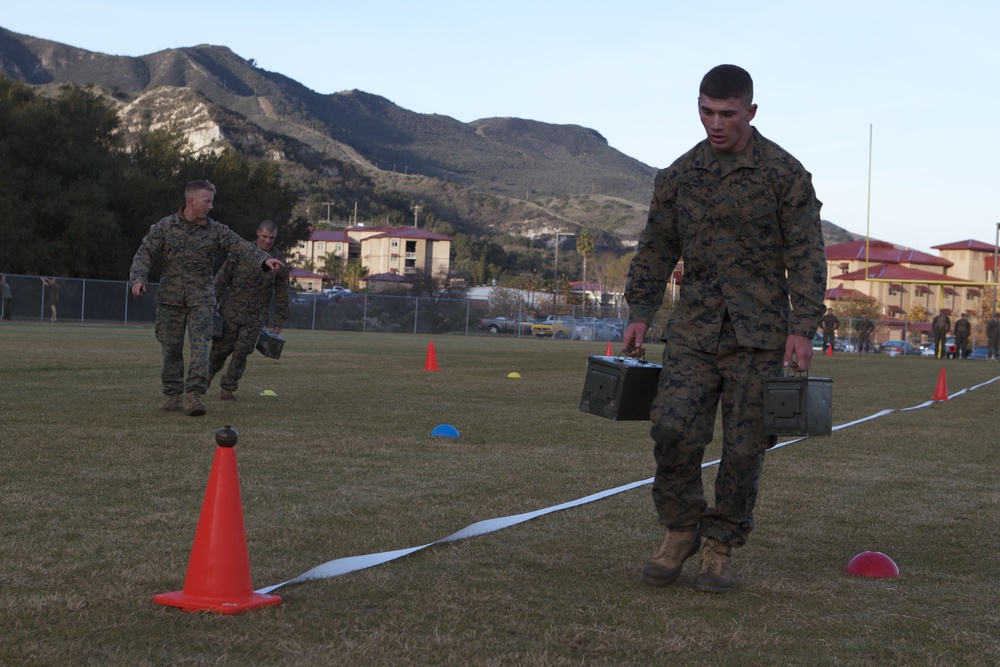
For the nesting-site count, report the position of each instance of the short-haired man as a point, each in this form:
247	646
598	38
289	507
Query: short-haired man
963	330
245	309
993	336
743	214
865	329
940	326
830	326
186	243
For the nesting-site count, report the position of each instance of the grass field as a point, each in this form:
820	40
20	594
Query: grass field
101	494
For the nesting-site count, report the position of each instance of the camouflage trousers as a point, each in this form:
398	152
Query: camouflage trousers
994	351
691	386
237	340
171	323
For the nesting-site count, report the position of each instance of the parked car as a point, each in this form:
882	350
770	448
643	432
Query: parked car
897	347
596	331
838	343
981	352
513	325
545	326
336	289
950	348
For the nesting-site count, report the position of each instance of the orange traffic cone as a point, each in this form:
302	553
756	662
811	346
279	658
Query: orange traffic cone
829	350
218	574
941	393
432	363
609	351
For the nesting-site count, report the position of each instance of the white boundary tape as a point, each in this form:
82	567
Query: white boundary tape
335	568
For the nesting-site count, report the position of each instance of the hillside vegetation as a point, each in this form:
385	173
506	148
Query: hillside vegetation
357	156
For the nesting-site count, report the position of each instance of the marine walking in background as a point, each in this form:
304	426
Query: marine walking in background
245	309
187	243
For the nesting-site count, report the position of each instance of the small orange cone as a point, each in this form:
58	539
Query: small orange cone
432	363
609	351
941	393
829	350
218	574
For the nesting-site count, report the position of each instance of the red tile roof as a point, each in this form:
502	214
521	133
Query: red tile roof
898	272
330	236
882	253
968	244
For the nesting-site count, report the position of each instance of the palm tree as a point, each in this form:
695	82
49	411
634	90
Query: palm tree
332	266
585	246
353	274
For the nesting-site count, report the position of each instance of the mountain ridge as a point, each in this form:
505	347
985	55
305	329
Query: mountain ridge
545	176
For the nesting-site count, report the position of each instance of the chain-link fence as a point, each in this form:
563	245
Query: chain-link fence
85	300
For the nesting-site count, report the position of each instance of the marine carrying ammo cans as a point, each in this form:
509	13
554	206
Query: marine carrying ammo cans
619	388
798	405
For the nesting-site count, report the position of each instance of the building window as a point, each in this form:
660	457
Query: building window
395	243
411	246
302	245
320	247
892	292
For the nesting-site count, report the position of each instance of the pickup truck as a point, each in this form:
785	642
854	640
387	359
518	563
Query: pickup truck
556	326
498	325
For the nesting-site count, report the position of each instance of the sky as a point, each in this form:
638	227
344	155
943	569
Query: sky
891	105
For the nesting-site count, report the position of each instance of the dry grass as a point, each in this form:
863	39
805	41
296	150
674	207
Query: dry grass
101	494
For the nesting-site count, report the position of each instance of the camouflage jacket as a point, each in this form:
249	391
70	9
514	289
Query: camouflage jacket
963	328
250	289
993	329
748	229
830	323
941	324
187	251
865	327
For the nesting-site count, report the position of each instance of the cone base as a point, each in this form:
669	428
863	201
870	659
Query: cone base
219	606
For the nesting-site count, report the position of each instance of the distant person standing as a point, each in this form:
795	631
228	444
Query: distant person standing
52	287
963	330
865	329
244	310
940	328
993	336
830	326
187	242
6	297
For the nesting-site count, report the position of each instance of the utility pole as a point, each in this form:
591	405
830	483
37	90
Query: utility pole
555	268
328	204
416	208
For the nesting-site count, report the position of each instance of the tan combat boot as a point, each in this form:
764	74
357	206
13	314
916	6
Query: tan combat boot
664	566
173	403
193	405
227	395
716	563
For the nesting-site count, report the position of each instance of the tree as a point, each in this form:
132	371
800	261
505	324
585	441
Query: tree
353	273
585	246
332	266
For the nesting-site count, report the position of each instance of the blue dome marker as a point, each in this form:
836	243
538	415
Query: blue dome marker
445	431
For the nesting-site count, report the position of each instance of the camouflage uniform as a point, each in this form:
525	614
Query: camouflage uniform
865	329
748	228
830	326
993	337
963	329
940	327
185	298
244	311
